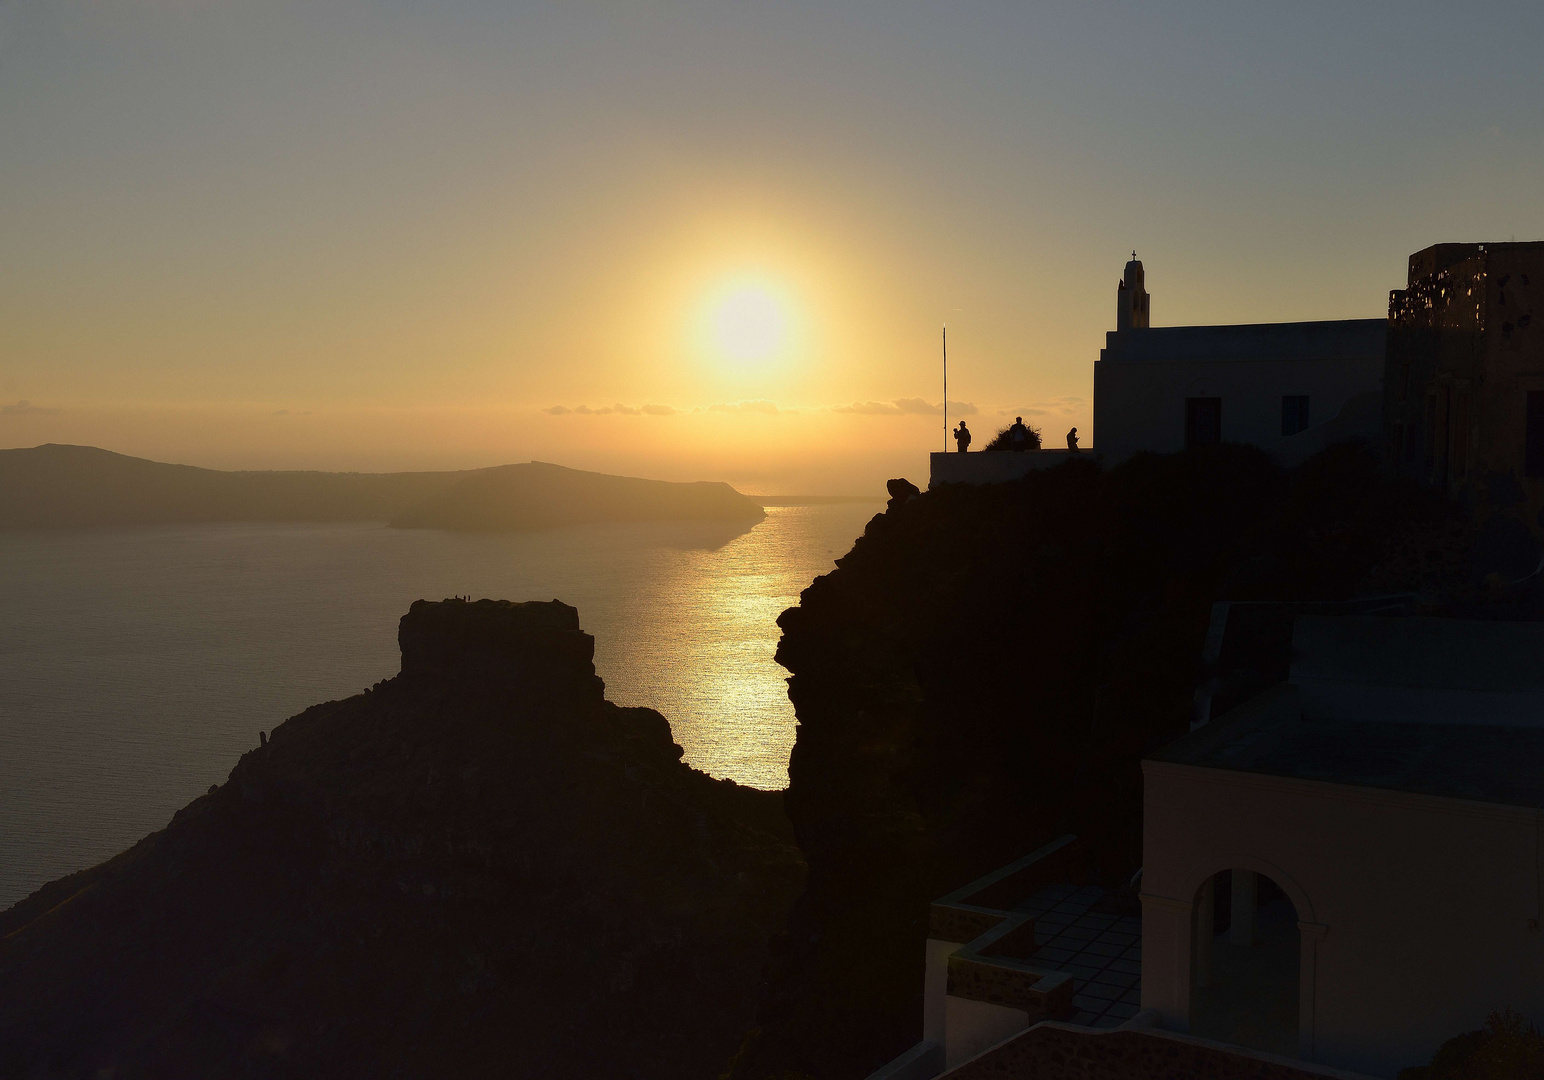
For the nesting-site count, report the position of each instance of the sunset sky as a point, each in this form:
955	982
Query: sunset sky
700	241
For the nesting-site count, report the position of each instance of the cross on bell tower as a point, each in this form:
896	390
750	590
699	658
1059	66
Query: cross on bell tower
1131	299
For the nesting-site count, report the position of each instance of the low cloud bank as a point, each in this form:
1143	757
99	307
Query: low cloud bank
619	409
769	407
26	408
1065	405
906	406
909	406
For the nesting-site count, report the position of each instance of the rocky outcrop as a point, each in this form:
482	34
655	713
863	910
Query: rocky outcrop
901	491
477	868
983	672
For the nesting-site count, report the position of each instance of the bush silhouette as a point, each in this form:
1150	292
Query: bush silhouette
1508	1047
1001	441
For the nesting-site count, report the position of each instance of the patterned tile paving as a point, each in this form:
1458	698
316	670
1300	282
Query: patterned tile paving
1102	952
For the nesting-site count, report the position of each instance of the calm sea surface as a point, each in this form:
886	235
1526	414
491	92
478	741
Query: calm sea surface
137	665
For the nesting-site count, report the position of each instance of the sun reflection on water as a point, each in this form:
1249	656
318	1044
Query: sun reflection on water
140	663
712	617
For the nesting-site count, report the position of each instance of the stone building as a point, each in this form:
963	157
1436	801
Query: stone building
1290	388
1465	372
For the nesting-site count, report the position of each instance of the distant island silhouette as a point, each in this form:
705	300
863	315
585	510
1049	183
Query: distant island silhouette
58	486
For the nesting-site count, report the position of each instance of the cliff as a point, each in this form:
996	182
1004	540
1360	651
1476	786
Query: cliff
985	669
477	868
56	486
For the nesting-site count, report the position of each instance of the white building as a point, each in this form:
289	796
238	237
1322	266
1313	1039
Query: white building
1340	873
1290	388
1374	826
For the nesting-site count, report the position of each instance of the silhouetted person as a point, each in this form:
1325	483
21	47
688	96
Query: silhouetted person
962	437
1072	440
1018	434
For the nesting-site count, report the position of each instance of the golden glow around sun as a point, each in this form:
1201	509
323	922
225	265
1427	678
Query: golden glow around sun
747	322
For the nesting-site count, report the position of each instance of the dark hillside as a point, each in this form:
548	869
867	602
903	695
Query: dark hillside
537	495
56	486
985	669
479	868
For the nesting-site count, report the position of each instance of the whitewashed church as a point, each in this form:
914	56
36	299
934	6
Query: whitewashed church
1289	388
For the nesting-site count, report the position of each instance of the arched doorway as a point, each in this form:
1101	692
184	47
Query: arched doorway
1246	963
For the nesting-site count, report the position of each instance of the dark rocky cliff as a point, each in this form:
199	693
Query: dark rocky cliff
984	671
477	868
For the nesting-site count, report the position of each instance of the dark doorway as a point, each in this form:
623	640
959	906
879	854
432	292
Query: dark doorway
1247	971
1203	421
1294	414
1533	454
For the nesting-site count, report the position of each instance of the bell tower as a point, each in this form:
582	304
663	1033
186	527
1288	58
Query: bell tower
1131	298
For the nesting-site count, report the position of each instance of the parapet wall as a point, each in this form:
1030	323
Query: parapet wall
1053	1051
996	466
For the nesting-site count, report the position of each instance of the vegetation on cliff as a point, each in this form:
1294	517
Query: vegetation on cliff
477	868
985	669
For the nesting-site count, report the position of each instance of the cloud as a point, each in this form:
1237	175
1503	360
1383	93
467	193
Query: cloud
1065	405
26	408
607	410
762	406
910	406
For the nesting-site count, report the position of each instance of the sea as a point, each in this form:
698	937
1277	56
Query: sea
137	665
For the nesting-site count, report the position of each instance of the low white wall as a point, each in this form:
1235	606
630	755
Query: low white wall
935	988
975	1026
1418	913
923	1061
994	467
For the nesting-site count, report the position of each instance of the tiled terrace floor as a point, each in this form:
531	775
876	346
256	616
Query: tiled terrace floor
1102	952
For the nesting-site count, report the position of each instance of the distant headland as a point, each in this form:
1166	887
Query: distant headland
57	486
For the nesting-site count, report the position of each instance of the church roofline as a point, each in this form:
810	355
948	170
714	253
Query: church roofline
1329	338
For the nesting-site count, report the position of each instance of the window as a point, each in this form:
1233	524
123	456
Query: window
1294	414
1203	421
1430	431
1533	454
1459	455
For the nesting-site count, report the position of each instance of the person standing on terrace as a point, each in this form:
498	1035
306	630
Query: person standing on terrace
1018	434
962	437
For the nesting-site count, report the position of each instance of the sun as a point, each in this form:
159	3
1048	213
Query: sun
748	323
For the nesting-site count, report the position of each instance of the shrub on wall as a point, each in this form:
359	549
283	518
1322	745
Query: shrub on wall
1508	1047
1003	440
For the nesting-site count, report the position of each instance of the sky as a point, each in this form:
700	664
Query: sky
701	240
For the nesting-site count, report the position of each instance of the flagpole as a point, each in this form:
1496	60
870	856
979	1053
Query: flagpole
946	388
